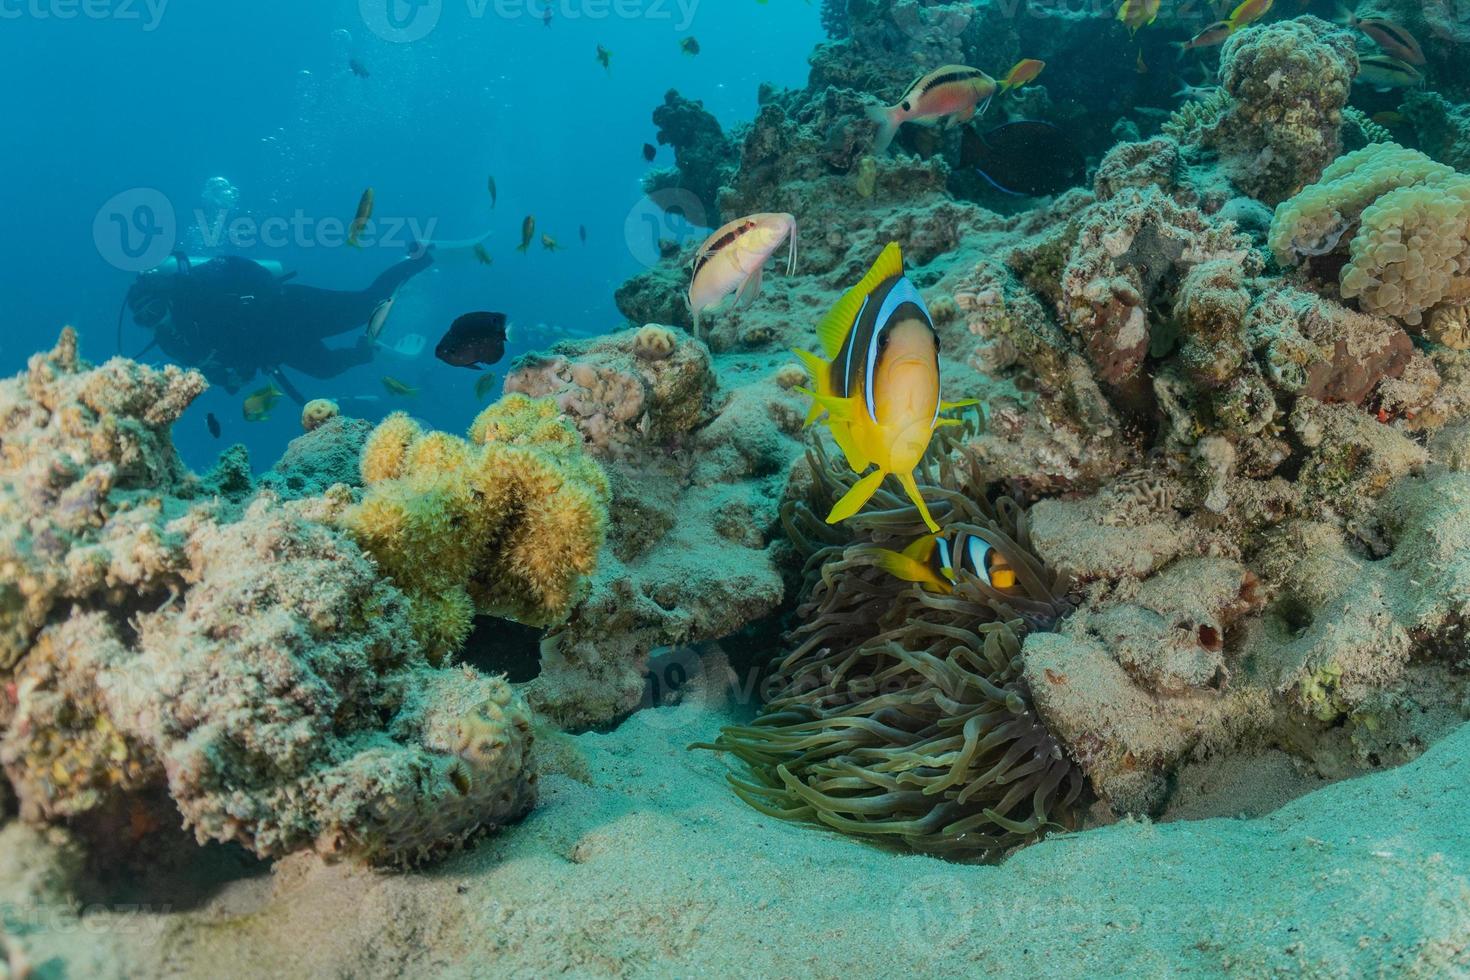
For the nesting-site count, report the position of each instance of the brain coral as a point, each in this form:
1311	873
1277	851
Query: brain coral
1403	220
509	523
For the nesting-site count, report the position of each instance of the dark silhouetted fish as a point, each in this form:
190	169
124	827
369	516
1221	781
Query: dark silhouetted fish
1025	157
474	339
358	68
213	424
649	152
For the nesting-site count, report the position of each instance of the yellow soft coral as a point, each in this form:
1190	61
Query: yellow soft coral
509	523
1404	220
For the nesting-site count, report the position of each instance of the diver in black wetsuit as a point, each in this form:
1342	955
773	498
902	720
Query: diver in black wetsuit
232	317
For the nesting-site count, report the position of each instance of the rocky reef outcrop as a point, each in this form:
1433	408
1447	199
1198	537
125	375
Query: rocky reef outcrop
249	661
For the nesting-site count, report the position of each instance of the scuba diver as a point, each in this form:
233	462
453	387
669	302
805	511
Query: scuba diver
232	317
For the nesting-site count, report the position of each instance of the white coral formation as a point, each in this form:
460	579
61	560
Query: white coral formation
255	662
1404	221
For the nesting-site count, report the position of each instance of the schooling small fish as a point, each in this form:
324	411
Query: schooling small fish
212	424
1021	72
549	243
649	152
604	57
1384	73
689	46
954	93
482	256
358	68
528	231
878	384
1391	39
485	384
1136	14
473	340
396	387
935	562
733	260
379	319
360	220
258	404
494	196
1248	12
1210	36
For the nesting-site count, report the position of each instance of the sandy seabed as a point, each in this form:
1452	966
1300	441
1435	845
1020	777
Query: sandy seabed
639	862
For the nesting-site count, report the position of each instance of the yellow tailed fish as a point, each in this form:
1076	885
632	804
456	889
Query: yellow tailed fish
879	382
935	561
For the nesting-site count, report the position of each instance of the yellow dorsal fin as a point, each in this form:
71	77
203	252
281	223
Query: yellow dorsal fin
836	325
921	549
903	566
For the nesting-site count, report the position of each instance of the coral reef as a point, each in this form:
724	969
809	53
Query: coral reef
901	713
252	662
1288	83
509	523
1410	220
702	154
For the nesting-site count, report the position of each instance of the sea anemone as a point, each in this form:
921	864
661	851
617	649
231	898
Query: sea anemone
901	713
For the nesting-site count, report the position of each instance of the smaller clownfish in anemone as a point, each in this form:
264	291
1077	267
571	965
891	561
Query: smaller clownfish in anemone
879	382
935	562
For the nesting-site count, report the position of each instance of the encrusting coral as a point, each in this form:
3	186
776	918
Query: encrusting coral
902	713
253	662
1288	83
509	523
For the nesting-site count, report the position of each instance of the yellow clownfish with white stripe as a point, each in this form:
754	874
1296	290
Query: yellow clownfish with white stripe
879	382
933	561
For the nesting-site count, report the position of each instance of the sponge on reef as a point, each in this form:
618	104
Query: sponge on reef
508	523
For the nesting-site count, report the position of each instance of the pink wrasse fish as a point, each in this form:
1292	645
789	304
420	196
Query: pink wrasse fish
733	259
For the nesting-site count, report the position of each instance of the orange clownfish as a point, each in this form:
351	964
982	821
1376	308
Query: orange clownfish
879	382
954	93
935	562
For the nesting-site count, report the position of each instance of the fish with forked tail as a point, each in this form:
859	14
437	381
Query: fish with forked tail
877	382
954	94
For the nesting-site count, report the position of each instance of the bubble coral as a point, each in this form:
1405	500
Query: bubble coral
318	412
509	523
1404	221
901	714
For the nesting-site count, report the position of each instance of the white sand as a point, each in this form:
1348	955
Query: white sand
654	869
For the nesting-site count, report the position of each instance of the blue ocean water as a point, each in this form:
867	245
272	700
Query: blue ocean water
121	112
